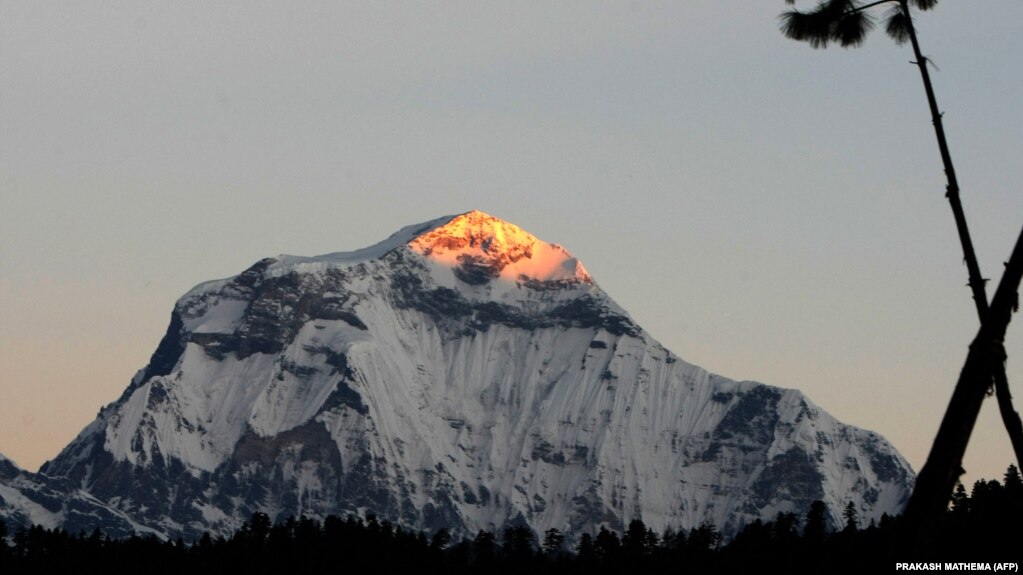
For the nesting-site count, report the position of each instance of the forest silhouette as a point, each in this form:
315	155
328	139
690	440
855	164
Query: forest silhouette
982	525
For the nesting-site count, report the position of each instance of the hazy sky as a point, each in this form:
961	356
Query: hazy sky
767	211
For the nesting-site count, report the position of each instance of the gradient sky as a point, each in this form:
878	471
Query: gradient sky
765	210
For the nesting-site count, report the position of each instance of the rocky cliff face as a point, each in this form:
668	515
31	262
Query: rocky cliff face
460	374
35	499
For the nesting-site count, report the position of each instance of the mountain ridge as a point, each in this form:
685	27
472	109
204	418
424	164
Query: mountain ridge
462	374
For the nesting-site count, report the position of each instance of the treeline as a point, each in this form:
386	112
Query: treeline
984	525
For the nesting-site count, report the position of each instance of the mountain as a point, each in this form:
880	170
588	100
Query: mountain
35	499
461	374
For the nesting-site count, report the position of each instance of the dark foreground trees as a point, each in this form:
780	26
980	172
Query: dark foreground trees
983	525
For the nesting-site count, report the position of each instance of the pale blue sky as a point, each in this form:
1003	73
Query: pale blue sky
767	211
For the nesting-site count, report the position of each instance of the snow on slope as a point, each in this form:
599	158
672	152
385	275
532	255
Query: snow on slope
28	499
462	373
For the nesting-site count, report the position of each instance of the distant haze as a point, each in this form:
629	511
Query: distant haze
767	211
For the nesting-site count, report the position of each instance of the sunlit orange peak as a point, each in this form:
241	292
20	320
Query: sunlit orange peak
496	248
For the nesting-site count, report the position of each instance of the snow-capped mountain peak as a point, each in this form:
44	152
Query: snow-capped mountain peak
464	374
481	247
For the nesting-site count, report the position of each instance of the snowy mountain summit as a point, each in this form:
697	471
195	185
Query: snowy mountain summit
461	374
479	247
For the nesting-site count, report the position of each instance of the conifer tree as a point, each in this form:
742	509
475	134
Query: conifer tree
1011	480
852	520
483	546
552	541
606	544
440	539
816	522
635	542
960	501
257	527
517	543
785	528
704	538
673	541
585	551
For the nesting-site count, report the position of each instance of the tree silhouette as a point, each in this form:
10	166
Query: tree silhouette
1012	480
852	518
786	528
940	473
483	547
847	23
606	545
960	501
704	538
585	550
987	524
552	541
517	543
440	539
816	522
